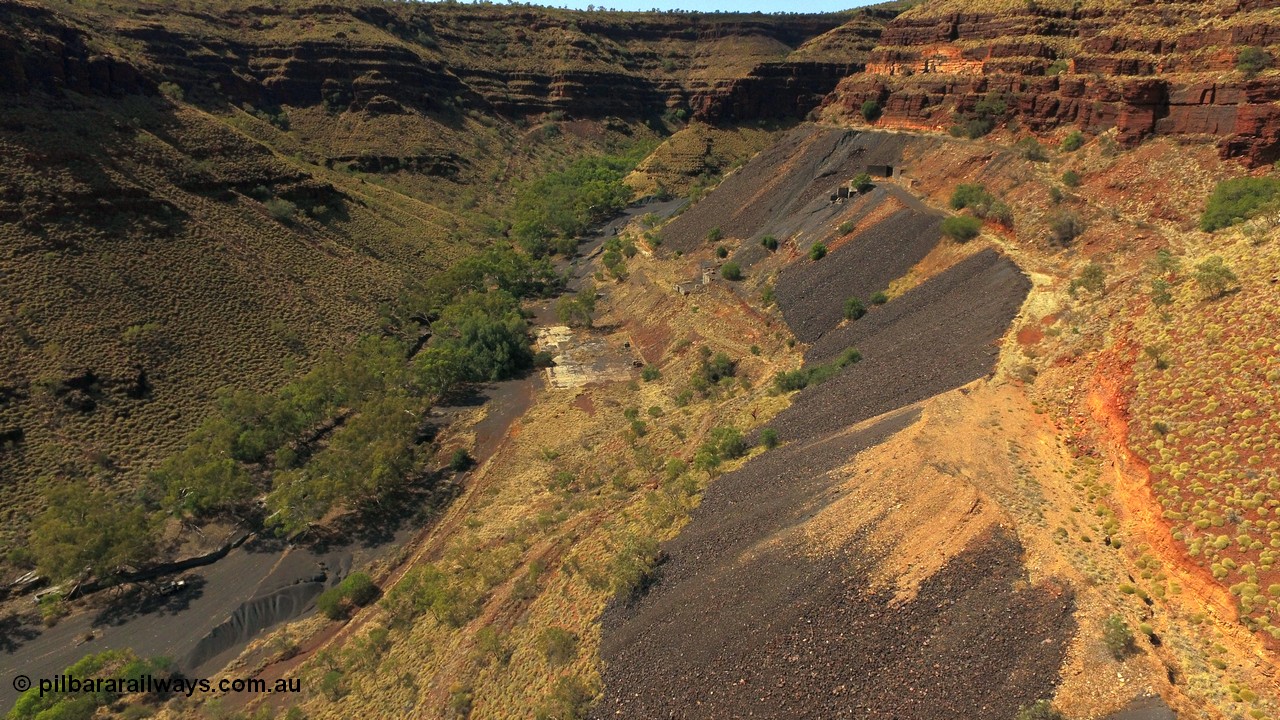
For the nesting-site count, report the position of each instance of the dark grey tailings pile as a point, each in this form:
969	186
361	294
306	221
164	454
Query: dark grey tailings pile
740	625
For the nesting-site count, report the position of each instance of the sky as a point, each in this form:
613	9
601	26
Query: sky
767	6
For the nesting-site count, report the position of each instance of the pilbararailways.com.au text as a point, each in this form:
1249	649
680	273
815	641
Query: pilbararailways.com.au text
66	684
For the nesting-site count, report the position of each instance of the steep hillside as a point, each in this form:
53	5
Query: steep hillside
213	195
1189	70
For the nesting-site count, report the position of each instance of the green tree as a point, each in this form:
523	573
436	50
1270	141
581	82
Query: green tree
576	311
201	481
854	309
1214	277
1236	200
817	252
490	333
84	532
861	182
564	204
1071	178
1165	263
871	111
1073	141
731	271
769	242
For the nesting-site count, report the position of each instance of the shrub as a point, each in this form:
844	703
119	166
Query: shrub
983	119
1072	142
871	111
1237	200
968	195
1160	293
981	203
1117	636
817	252
714	234
576	311
804	377
357	590
558	645
769	438
1092	278
961	227
1252	60
854	309
846	227
879	298
1057	67
722	252
1031	149
171	91
791	381
862	182
973	127
281	209
460	460
731	271
570	699
1071	178
769	242
1040	710
650	373
1214	277
1065	226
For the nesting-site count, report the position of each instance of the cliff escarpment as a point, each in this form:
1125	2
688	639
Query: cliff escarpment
433	57
1177	69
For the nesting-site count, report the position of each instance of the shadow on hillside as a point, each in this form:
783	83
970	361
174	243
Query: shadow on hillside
151	599
15	632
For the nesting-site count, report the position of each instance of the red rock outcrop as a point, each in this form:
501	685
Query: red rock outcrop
1143	69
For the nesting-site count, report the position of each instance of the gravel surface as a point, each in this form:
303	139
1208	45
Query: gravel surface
938	336
741	626
811	294
780	189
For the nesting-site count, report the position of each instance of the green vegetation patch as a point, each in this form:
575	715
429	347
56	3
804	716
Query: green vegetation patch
961	227
567	203
1236	200
123	674
804	377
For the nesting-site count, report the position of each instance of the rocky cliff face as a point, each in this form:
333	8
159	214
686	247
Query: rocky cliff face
385	58
1143	69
